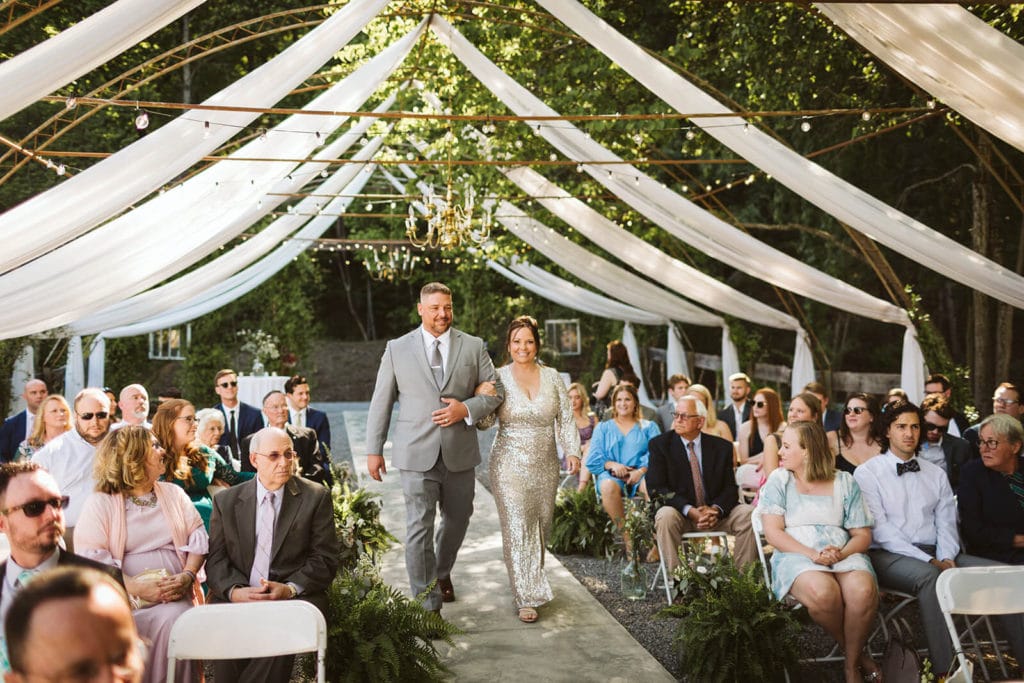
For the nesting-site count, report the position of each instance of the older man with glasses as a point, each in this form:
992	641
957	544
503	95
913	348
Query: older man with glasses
304	441
69	457
32	518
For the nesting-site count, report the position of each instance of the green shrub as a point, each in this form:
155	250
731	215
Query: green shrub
580	525
731	627
375	633
357	521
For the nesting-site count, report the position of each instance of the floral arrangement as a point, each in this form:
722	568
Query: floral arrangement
260	344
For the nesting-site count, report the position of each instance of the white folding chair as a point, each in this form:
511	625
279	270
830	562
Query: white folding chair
979	592
745	475
662	573
245	630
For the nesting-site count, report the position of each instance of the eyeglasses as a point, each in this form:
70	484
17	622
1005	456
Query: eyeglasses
760	404
929	427
854	410
1005	401
684	416
225	385
191	419
989	444
275	456
101	415
34	508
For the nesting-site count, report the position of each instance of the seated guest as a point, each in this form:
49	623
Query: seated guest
134	405
940	448
300	414
691	474
937	383
617	456
240	418
991	497
209	429
152	532
765	420
32	519
289	513
712	425
194	467
678	385
53	419
585	423
72	622
893	395
737	410
803	407
18	427
1005	401
858	439
815	519
915	534
70	457
830	419
312	464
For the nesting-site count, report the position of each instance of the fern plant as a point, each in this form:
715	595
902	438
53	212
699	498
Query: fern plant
357	521
731	627
376	634
580	525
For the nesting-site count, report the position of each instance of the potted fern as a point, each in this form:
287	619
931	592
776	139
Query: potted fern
731	628
637	529
580	525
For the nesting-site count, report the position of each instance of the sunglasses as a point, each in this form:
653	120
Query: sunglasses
101	415
225	385
855	410
275	456
760	404
34	508
929	427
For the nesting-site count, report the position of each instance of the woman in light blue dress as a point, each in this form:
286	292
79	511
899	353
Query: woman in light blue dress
821	529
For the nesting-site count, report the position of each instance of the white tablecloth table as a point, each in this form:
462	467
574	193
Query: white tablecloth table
252	389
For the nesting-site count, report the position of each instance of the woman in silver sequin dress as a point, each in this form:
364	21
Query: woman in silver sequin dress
524	462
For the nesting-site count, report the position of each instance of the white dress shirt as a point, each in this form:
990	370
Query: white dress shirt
297	417
69	458
30	422
917	507
446	344
933	453
11	578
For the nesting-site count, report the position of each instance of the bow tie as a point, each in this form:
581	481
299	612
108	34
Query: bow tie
909	466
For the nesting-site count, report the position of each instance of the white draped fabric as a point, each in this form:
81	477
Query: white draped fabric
667	209
78	204
213	206
629	341
24	370
832	194
243	282
913	371
54	63
97	361
168	296
675	354
74	370
730	357
954	55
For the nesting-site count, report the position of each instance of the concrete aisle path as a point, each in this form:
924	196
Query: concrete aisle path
574	640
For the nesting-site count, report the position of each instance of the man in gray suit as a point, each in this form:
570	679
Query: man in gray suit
433	373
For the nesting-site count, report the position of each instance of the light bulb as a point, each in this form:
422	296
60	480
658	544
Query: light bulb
142	121
805	126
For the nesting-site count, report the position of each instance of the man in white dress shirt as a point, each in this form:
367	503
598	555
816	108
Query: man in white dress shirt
69	457
134	405
915	535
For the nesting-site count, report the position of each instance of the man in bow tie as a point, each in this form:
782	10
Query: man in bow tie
915	535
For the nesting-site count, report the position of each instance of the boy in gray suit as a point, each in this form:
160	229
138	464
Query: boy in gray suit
433	372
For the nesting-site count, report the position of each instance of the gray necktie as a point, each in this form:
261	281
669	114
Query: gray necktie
436	366
264	540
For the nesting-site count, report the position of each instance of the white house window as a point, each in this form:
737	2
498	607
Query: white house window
563	336
170	344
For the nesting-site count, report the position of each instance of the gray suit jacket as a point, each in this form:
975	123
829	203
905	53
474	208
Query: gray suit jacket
405	376
305	548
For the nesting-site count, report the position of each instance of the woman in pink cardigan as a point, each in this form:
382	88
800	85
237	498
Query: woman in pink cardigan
152	532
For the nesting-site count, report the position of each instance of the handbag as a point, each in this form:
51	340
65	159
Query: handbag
900	661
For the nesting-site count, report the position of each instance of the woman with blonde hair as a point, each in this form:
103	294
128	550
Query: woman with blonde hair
52	419
817	521
712	425
585	423
152	532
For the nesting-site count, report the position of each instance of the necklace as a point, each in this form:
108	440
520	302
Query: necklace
146	501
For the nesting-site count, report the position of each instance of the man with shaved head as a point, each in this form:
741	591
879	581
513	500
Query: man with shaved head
17	427
134	405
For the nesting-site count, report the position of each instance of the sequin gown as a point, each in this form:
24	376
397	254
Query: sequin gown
524	477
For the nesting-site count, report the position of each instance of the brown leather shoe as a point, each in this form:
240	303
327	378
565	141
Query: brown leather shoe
447	591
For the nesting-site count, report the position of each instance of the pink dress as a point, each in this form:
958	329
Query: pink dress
148	545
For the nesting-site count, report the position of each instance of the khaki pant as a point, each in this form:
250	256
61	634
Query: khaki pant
670	525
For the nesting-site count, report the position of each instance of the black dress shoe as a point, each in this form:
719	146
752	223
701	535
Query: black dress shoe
447	591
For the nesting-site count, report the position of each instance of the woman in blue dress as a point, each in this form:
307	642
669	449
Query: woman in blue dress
618	454
821	529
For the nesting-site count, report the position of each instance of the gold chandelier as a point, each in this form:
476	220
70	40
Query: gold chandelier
448	225
397	265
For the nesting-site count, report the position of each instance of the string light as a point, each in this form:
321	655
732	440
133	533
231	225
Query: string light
142	120
805	126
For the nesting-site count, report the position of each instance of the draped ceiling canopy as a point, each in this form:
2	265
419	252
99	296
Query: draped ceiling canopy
62	237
